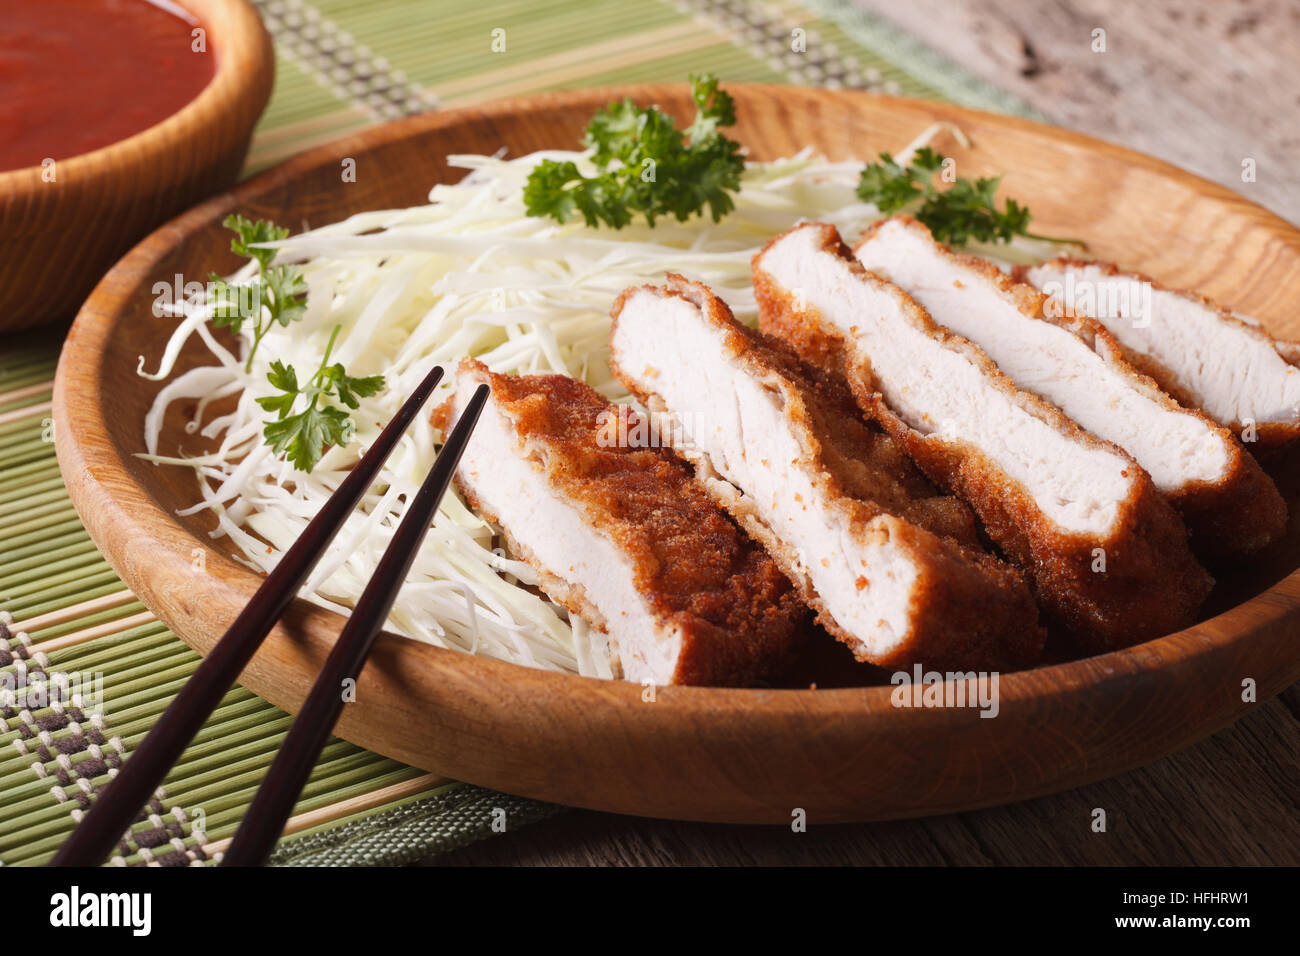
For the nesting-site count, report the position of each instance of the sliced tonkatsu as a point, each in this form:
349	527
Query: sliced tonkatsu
1107	555
1229	504
623	536
892	569
1198	352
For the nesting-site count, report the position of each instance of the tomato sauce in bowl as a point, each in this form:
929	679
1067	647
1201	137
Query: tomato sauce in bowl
78	75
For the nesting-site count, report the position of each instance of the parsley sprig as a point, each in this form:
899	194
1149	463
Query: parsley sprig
278	296
967	210
646	165
302	437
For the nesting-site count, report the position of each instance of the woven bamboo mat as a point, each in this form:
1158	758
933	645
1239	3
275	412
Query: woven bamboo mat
85	669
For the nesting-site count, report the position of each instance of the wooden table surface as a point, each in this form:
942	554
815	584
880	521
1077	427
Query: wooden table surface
1204	85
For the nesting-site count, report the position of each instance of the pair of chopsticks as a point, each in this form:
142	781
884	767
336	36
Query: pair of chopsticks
112	814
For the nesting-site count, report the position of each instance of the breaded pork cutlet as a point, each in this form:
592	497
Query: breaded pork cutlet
625	537
1106	554
891	568
1229	504
1198	352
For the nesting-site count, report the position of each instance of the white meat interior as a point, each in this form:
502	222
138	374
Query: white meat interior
1174	446
1234	372
509	479
740	422
938	390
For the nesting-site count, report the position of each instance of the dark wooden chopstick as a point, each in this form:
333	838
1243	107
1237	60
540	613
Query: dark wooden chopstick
113	812
265	818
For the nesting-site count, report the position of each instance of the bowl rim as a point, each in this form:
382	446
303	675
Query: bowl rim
242	51
1189	652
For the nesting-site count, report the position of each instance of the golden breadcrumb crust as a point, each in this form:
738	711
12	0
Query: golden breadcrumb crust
1237	514
739	616
1151	584
969	610
1269	435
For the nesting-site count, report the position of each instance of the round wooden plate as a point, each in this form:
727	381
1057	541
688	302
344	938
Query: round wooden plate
696	753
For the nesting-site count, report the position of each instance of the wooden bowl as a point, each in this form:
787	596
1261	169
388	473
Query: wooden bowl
696	753
58	238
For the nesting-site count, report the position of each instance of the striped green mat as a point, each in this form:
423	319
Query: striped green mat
69	623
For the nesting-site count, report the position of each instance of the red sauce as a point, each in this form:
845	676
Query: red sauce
77	75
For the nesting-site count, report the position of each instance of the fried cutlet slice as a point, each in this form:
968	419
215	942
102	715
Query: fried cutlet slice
1105	553
1197	351
890	567
1229	504
623	536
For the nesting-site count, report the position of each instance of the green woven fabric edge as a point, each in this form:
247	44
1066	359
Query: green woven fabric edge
397	835
922	62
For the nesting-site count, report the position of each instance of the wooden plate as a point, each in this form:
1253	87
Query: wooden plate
696	753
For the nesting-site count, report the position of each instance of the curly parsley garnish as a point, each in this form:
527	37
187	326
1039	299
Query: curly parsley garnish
302	437
646	165
278	295
968	209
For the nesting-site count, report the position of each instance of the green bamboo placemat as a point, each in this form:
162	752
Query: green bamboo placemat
68	622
